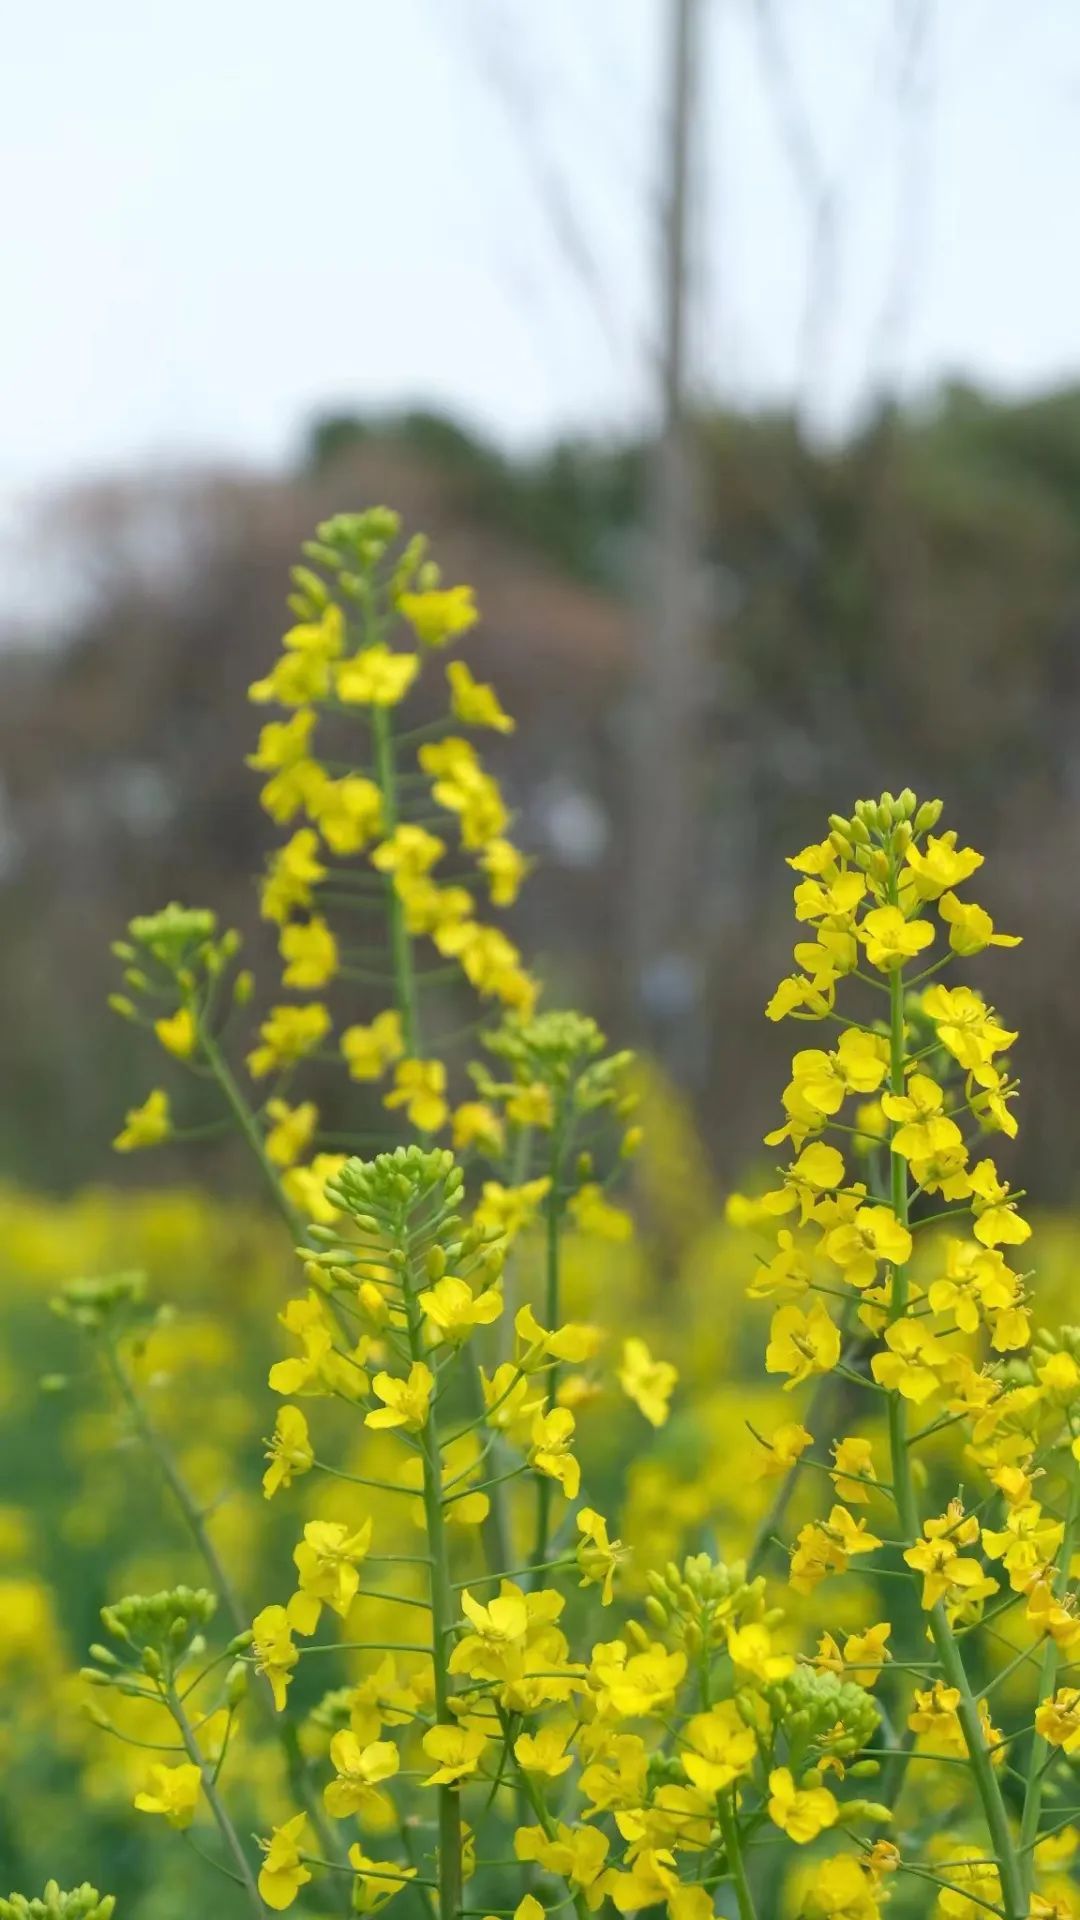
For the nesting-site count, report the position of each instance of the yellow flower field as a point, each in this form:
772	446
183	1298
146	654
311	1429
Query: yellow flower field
482	1514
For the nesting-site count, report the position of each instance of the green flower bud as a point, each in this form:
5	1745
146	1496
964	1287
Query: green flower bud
317	550
236	1683
809	1705
867	1810
311	585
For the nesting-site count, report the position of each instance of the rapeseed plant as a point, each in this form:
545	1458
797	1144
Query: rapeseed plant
548	1112
455	1733
920	1073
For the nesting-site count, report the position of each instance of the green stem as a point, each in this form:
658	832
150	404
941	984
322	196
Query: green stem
496	1528
443	1608
529	1791
159	1450
823	1419
214	1802
730	1830
249	1127
948	1650
553	1212
1029	1823
400	942
157	1446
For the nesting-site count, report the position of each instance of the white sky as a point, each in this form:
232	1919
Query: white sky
224	215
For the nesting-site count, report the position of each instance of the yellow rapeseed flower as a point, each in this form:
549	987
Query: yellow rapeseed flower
173	1792
283	1871
145	1126
178	1033
420	1087
439	614
405	1402
473	702
310	952
376	677
647	1382
368	1051
291	1130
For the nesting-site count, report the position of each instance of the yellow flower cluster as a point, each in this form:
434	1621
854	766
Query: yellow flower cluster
888	1124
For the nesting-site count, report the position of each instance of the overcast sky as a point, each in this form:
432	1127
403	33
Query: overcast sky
222	216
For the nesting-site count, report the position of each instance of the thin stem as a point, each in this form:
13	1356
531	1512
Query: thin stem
157	1446
495	1528
249	1127
195	1520
530	1791
1029	1822
947	1647
509	1573
821	1420
444	1609
214	1802
400	942
363	1480
553	1212
730	1830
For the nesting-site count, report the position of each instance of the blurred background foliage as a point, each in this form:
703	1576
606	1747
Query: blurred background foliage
901	609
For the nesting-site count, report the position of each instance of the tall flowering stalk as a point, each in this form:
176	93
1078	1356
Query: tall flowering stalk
899	1283
404	1336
